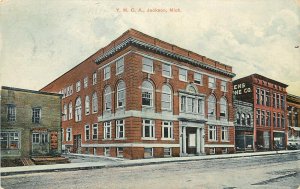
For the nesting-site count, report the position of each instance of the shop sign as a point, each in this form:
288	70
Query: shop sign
241	88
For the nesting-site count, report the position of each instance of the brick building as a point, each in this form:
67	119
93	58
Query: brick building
243	125
30	123
141	97
268	98
293	103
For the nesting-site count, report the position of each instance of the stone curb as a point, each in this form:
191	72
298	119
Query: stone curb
142	162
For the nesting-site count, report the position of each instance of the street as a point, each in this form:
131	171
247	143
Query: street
276	171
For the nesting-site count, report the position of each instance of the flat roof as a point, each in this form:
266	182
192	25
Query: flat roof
29	91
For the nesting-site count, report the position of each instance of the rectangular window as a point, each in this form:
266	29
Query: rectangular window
191	105
282	102
182	103
147	65
85	82
107	130
36	115
282	121
198	78
212	133
87	132
78	86
278	120
11	112
107	151
94	78
257	117
95	131
268	98
274	100
44	138
212	82
263	97
106	72
274	120
200	106
278	101
166	70
268	121
35	138
167	152
148	128
167	130
120	152
257	96
10	140
225	134
120	129
182	74
148	152
120	66
69	134
263	118
223	86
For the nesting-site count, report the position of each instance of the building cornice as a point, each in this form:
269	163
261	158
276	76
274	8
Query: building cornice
135	42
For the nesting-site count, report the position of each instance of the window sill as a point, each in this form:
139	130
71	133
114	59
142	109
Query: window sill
225	141
120	138
107	139
119	73
148	72
200	84
168	77
146	138
212	140
168	139
183	80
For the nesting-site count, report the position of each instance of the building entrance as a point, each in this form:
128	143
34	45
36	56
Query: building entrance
77	144
192	140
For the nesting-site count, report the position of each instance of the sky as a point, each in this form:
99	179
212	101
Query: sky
40	40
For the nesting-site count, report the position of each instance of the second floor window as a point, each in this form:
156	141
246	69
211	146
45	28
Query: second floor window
94	78
70	111
211	106
121	94
120	129
248	119
274	119
166	98
11	112
78	109
95	131
257	117
36	115
87	105
147	94
223	107
107	98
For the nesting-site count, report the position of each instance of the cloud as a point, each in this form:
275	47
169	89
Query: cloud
42	40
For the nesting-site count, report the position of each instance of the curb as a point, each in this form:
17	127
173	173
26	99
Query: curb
153	162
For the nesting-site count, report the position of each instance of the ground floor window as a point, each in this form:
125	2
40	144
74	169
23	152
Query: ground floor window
10	140
167	130
225	134
39	138
107	151
120	152
212	133
148	152
148	128
107	130
212	150
167	152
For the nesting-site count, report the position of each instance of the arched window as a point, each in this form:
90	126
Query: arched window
121	94
249	119
107	98
94	103
238	118
212	105
166	98
87	105
78	109
243	119
223	107
70	111
65	116
147	94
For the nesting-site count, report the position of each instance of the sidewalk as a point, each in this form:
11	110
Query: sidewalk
117	162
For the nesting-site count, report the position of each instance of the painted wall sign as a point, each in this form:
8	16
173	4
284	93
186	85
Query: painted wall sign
241	88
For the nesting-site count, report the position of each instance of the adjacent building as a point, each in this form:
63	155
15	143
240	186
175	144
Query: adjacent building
30	123
293	103
243	125
268	98
141	97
